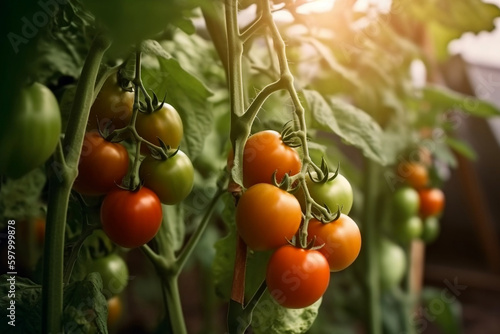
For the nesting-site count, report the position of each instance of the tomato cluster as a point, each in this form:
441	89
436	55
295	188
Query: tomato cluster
131	214
417	205
268	218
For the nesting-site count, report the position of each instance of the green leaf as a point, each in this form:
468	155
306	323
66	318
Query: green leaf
350	123
187	94
461	147
27	303
85	307
443	98
450	311
271	318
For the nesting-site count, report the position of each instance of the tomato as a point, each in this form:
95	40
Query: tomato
32	134
415	174
409	229
115	310
266	216
391	263
264	154
171	179
131	218
113	104
431	202
405	203
341	239
431	229
114	273
334	193
164	123
102	165
296	277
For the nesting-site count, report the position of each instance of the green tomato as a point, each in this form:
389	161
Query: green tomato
31	135
405	203
171	179
114	273
431	229
391	263
334	194
409	229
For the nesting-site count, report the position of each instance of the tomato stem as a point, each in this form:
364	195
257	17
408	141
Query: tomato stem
63	173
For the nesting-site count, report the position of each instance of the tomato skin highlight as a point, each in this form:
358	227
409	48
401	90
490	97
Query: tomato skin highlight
102	165
266	216
335	193
171	179
112	104
131	218
391	263
296	277
431	202
341	239
164	123
32	133
264	154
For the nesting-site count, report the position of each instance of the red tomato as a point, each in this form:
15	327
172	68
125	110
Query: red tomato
431	202
296	277
102	165
414	173
341	239
264	154
131	218
113	104
266	216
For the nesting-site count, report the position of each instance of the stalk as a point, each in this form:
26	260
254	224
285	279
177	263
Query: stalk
60	183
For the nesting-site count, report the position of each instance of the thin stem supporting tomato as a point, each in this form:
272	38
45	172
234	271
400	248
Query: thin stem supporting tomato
65	167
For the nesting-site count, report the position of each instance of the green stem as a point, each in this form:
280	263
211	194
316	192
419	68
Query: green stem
408	293
174	305
60	188
370	247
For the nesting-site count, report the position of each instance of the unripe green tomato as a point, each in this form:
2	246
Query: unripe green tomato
431	229
114	273
409	229
171	179
391	263
405	203
334	194
32	133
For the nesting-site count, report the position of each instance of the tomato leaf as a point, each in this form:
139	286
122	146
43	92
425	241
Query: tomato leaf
271	318
461	147
443	98
350	123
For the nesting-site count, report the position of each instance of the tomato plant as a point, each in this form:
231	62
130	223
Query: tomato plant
335	193
415	174
266	216
431	229
264	154
408	229
131	218
163	123
112	106
33	132
297	277
341	240
114	273
431	201
102	165
171	179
